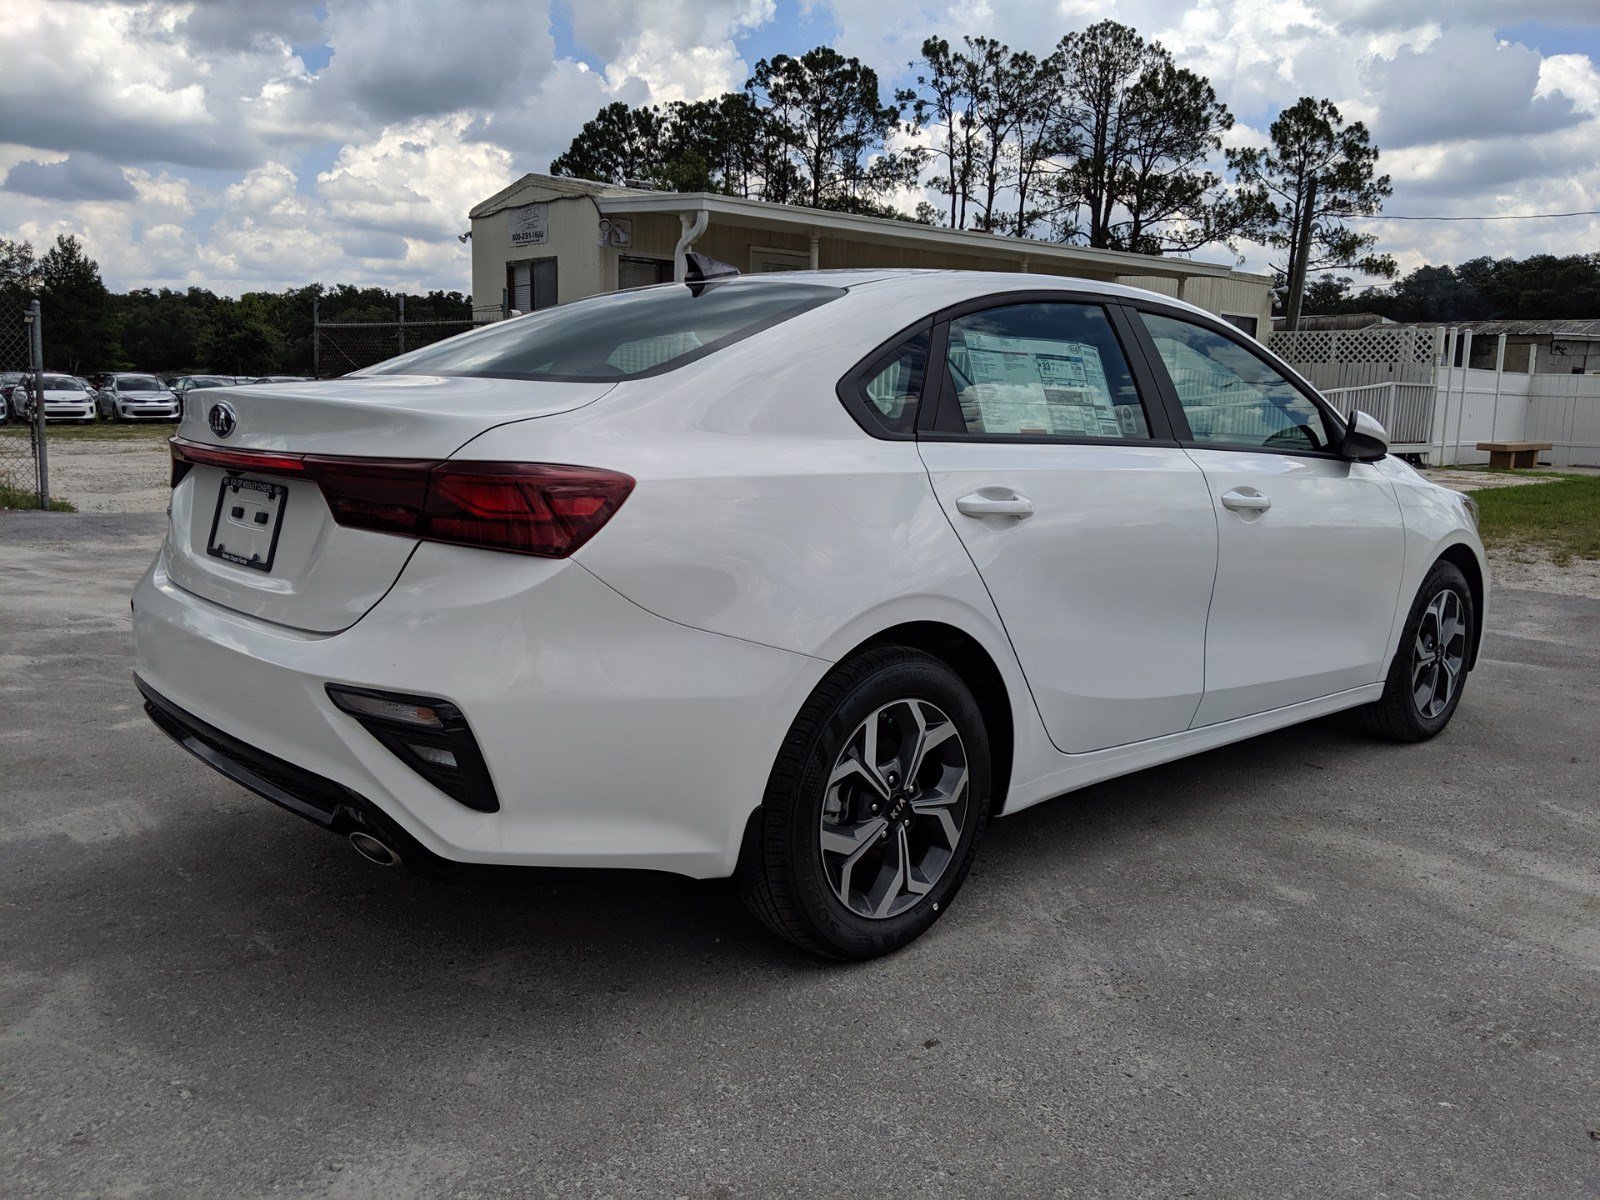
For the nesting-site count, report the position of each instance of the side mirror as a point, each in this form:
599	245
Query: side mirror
1364	440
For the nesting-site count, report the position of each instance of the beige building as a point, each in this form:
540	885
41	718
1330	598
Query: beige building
547	240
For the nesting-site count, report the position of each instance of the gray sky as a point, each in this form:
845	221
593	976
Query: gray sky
265	143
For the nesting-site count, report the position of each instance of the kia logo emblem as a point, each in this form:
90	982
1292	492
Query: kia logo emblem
221	419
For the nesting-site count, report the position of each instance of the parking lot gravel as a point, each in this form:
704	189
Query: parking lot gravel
109	469
1307	965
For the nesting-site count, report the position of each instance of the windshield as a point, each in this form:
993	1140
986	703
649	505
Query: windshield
203	381
61	383
140	383
622	335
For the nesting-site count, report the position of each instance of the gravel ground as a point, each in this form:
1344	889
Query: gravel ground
1472	481
1307	965
127	475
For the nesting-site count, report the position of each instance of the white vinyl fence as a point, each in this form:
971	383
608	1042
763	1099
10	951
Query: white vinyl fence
1407	379
1405	410
1565	410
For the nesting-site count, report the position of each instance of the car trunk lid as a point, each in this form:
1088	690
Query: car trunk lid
255	533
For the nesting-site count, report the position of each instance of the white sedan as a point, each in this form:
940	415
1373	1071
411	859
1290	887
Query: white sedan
799	579
128	396
66	398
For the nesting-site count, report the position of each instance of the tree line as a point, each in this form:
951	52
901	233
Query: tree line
1540	287
1104	140
89	328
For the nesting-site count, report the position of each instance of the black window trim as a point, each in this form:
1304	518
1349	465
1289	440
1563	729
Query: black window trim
852	386
1179	420
942	422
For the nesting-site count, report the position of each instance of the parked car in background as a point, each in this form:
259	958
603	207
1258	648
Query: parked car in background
11	409
67	398
134	396
795	578
282	379
188	383
185	384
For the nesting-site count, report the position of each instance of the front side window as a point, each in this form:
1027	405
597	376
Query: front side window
1230	396
616	336
1046	370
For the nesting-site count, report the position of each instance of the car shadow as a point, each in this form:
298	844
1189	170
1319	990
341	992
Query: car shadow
241	907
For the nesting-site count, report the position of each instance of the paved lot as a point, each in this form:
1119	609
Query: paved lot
1307	965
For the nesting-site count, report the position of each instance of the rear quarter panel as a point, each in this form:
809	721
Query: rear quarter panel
762	511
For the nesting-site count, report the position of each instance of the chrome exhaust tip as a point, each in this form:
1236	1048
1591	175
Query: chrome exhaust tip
373	849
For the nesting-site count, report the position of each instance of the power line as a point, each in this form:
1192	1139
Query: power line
1589	212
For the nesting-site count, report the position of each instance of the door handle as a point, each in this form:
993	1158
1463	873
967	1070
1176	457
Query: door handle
1010	504
1245	499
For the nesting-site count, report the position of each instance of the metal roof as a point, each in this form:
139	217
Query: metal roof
611	199
1576	328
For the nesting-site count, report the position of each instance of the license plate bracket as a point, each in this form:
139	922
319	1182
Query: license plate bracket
248	519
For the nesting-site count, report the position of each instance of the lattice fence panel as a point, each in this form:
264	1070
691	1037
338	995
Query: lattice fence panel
1356	357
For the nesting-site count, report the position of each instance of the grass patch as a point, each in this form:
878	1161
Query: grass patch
1563	517
100	431
11	497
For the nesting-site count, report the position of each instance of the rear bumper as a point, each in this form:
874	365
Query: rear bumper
614	738
321	801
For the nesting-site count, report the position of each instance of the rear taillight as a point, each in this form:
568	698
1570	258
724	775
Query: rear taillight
527	508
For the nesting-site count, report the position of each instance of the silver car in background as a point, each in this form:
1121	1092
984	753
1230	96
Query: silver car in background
130	396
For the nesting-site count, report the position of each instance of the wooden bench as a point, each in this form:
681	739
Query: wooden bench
1513	455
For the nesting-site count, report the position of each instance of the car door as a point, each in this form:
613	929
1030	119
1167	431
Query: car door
1310	545
1090	526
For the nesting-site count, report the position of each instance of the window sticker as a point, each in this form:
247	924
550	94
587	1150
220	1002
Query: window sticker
1041	387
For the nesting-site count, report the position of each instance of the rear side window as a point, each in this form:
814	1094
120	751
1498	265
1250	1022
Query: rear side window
883	395
1051	370
623	335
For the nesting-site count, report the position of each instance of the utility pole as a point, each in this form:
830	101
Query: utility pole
316	337
402	322
1297	269
36	361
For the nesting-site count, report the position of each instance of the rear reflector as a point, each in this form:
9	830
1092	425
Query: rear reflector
544	509
430	736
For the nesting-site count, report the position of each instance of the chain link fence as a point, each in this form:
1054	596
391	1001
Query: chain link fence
23	465
339	347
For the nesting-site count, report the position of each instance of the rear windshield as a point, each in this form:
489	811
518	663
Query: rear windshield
623	335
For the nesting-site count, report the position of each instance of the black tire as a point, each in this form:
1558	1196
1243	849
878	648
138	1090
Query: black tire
1397	714
782	876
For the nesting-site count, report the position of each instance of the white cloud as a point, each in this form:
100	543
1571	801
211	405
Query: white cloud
248	169
1467	123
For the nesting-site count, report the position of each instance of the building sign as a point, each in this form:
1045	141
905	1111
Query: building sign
530	225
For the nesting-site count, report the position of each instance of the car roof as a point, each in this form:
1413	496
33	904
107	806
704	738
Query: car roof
942	286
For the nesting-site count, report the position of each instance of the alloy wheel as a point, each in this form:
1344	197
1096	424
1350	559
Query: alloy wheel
1438	653
895	808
